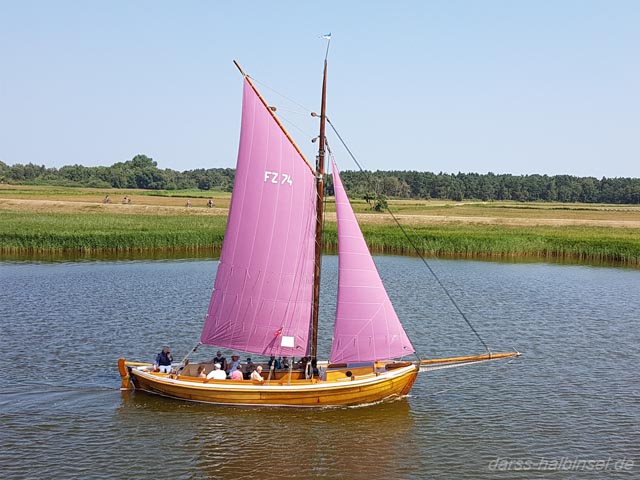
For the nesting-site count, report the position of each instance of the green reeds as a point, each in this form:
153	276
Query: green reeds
598	244
100	231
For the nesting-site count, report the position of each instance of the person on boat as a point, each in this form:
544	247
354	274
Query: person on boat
285	363
248	368
201	373
273	363
314	368
235	364
163	360
256	374
221	360
237	374
302	364
217	373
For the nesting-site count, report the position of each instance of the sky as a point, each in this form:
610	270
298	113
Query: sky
519	87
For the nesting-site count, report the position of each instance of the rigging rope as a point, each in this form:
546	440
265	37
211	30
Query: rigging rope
282	118
415	248
395	219
305	109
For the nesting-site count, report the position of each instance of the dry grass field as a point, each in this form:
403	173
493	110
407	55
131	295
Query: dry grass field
412	212
42	219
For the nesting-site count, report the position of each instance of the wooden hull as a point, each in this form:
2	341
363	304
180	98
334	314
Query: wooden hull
358	390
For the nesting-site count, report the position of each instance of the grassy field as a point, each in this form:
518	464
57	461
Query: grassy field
42	220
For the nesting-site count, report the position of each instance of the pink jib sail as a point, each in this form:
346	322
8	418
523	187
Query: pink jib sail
367	327
262	295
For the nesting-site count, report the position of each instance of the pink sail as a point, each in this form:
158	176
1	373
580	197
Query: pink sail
367	327
262	295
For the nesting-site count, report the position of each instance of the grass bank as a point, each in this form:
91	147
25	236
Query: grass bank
24	233
45	221
493	241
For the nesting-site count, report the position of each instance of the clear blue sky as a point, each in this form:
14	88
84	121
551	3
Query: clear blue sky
474	86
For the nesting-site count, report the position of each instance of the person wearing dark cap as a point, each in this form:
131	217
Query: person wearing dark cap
163	360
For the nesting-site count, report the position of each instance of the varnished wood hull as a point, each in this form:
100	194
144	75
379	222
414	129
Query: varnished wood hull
305	393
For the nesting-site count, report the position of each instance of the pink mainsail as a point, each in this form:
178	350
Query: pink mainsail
367	327
262	295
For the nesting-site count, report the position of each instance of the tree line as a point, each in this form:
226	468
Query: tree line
142	172
139	172
491	186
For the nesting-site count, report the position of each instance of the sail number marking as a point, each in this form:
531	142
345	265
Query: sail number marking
277	178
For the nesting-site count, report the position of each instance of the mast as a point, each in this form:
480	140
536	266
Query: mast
319	216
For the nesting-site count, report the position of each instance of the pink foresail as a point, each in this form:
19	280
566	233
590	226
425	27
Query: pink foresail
262	295
367	327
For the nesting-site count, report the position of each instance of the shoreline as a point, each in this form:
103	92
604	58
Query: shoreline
55	255
213	254
74	223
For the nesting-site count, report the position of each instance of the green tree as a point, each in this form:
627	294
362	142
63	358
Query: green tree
381	203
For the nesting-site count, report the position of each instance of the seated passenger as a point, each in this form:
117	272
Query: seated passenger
255	375
201	373
235	363
163	361
285	363
237	373
303	363
273	363
221	360
248	368
217	373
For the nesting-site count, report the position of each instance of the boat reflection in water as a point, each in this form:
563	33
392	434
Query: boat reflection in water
230	442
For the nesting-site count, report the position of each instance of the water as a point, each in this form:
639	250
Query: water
574	396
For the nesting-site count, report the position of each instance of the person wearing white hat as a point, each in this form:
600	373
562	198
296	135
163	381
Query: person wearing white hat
217	373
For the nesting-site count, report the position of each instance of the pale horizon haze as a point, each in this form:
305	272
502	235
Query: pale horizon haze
544	87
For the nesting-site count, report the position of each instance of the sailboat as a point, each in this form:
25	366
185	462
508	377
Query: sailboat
267	288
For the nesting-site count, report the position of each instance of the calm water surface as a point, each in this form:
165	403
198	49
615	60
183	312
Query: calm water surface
574	396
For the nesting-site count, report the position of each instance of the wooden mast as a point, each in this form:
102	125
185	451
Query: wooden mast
319	216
